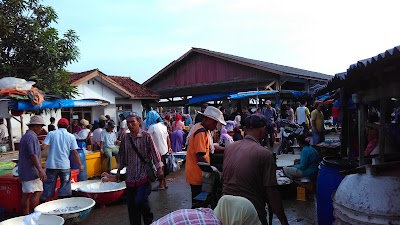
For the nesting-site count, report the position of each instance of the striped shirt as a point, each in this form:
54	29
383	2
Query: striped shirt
135	169
189	216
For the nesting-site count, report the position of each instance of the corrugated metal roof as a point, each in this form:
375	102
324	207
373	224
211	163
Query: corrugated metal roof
359	69
266	66
394	52
273	66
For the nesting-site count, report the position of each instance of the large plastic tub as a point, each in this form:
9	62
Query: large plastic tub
93	164
10	193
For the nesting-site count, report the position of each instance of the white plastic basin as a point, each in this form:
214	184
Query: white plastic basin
43	220
100	187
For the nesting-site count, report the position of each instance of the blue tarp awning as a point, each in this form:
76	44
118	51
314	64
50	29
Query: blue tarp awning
295	94
210	97
53	104
252	93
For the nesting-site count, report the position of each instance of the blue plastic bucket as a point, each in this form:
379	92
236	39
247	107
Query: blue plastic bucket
75	165
328	181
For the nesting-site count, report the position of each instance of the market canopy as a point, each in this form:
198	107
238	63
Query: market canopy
251	94
210	97
53	104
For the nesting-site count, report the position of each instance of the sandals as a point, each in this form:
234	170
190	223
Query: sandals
158	188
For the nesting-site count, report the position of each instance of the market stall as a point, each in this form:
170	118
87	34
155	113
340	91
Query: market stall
373	84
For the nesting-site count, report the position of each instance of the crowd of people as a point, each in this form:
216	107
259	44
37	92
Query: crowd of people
138	141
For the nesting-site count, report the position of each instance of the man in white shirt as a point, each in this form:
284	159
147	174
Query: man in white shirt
123	127
290	113
159	133
302	113
108	143
3	130
96	139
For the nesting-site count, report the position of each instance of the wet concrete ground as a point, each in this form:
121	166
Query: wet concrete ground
177	196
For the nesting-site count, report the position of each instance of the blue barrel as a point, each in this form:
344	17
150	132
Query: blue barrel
328	181
75	165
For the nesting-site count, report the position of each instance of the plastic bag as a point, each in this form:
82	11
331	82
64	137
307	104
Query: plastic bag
173	165
31	219
17	83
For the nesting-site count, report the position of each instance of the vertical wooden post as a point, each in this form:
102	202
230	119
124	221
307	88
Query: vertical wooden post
382	129
361	132
10	134
22	125
344	141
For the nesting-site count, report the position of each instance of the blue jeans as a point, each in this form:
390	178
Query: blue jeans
49	186
138	204
318	137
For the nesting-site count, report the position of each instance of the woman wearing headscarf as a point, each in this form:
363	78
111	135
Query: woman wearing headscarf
84	132
188	120
159	133
231	210
177	134
224	138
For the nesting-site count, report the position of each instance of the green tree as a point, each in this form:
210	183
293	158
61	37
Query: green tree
31	49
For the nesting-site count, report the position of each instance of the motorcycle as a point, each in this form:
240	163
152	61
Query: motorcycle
211	186
289	132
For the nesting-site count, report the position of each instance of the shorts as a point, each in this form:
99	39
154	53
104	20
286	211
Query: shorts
32	186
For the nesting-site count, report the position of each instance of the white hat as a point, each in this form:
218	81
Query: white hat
36	120
214	113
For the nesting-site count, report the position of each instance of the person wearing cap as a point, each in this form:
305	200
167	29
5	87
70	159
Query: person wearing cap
30	171
108	144
61	144
198	149
84	132
250	170
102	118
271	116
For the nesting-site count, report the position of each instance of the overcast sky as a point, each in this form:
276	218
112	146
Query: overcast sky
138	38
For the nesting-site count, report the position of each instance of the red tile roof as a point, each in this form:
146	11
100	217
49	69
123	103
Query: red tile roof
76	76
135	89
